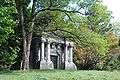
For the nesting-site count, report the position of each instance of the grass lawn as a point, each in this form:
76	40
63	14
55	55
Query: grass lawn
60	75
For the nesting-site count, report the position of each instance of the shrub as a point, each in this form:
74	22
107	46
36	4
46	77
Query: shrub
112	63
7	58
87	60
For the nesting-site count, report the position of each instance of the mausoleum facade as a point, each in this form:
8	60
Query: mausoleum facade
52	53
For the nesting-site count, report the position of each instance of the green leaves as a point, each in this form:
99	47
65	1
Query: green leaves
8	48
6	22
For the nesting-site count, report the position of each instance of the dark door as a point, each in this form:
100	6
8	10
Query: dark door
54	59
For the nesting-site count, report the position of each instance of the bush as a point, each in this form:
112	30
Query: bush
87	60
7	58
112	63
109	62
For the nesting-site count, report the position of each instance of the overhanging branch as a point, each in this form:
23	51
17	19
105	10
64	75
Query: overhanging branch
60	10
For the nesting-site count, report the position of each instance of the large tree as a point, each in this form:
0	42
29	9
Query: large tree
99	17
28	11
31	13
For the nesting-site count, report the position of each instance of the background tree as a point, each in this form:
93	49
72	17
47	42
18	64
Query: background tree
9	41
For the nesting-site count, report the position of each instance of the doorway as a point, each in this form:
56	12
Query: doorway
54	59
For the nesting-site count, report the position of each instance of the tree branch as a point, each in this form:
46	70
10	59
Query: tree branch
58	29
33	9
60	10
50	3
68	16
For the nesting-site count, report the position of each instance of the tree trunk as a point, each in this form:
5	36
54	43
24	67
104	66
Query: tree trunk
26	49
29	39
27	34
24	55
23	61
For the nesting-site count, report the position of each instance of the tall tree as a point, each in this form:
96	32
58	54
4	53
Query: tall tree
99	17
28	11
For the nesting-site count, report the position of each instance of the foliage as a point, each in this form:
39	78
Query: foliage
7	58
57	18
99	18
9	51
9	40
86	59
110	62
112	39
116	28
113	64
6	19
82	36
39	10
93	44
97	42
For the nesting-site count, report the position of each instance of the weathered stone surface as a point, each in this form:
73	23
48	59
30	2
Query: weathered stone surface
50	65
70	66
43	65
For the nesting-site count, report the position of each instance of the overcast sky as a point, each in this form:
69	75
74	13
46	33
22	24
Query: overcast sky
114	6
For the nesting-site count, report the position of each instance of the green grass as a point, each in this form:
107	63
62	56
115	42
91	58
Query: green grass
59	75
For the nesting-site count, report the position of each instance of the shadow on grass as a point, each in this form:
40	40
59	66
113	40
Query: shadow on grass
6	71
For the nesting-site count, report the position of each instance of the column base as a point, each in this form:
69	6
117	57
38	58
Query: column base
50	65
70	66
43	64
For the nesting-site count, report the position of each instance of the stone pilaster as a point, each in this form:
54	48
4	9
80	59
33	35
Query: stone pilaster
49	62
39	54
72	66
43	63
66	56
43	51
71	54
69	65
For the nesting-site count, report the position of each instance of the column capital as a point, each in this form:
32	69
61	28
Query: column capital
48	40
66	43
43	39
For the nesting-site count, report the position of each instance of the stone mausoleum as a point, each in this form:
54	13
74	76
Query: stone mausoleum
52	53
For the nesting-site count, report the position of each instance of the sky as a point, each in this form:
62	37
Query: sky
114	6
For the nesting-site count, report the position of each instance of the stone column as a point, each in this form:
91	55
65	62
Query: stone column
66	56
49	62
72	66
43	51
43	61
39	54
71	53
66	53
48	52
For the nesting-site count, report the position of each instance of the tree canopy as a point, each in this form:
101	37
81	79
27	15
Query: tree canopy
84	22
